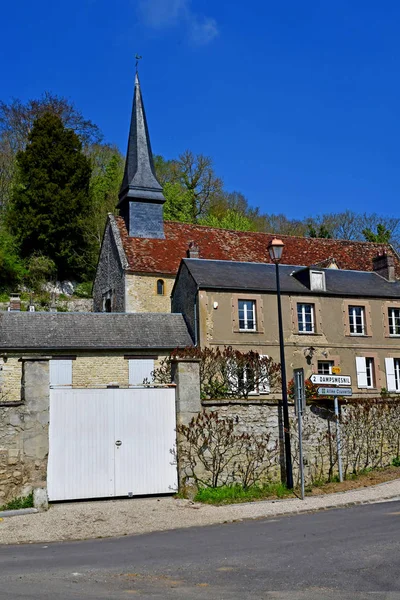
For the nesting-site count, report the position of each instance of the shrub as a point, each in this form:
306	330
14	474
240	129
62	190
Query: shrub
212	453
226	372
84	289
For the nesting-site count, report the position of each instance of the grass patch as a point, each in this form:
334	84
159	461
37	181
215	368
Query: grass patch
18	503
229	494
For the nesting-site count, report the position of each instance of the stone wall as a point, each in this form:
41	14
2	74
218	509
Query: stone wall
24	434
10	379
110	275
141	293
265	419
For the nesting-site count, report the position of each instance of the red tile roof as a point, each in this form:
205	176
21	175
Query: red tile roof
146	255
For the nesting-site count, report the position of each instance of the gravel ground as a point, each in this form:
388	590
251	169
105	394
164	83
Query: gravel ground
113	518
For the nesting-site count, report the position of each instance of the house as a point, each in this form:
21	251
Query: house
76	415
141	253
331	317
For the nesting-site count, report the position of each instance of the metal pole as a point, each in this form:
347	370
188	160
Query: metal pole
300	422
286	424
338	439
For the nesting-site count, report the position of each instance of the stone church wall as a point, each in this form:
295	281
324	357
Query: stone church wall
141	293
110	277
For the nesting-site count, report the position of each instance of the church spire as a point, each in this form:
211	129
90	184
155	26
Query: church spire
141	197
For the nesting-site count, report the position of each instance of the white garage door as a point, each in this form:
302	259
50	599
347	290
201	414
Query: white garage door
111	442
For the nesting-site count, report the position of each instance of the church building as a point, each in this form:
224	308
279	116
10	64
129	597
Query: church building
141	253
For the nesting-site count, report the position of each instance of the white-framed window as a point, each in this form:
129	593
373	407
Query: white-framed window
365	367
393	374
140	371
357	320
394	321
247	315
325	367
305	316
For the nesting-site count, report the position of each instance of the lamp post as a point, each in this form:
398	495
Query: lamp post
275	249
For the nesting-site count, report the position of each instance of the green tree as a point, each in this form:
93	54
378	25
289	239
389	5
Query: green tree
382	235
51	200
11	266
16	122
231	219
107	171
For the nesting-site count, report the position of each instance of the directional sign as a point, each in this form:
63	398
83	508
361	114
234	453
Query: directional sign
331	391
331	379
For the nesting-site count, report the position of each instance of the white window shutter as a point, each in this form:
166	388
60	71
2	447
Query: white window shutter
60	373
264	387
390	377
361	368
140	369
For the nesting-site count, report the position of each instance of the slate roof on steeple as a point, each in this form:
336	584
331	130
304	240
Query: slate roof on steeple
140	181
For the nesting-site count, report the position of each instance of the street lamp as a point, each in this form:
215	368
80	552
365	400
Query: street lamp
275	249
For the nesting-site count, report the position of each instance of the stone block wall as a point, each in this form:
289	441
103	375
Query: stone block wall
141	293
265	418
24	441
10	379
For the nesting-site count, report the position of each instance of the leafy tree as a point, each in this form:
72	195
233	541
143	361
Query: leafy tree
12	269
321	232
382	235
52	197
16	123
229	220
107	171
196	186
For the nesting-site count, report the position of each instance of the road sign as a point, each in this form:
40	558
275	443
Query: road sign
331	379
299	391
336	370
331	391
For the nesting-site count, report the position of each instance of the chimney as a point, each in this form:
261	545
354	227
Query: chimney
384	266
193	250
15	303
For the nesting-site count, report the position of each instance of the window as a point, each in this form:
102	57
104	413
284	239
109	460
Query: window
325	367
160	287
60	373
140	371
393	374
365	368
247	315
305	316
107	301
357	320
369	364
394	321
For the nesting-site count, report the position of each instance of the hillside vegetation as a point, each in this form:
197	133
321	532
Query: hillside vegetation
59	178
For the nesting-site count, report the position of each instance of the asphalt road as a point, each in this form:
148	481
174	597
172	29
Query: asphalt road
345	554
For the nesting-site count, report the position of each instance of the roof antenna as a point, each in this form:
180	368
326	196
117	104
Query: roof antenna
138	57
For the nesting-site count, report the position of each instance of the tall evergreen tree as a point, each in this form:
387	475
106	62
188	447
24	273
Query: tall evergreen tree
51	200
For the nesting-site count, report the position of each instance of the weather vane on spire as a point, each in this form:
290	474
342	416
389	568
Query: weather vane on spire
138	57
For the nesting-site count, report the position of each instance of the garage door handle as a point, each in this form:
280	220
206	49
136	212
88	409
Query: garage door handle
118	443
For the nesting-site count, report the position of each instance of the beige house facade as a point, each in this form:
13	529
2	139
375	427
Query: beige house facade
331	318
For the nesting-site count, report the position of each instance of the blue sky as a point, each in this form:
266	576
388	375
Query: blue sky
296	102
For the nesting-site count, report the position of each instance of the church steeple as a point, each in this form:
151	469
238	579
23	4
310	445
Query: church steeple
141	198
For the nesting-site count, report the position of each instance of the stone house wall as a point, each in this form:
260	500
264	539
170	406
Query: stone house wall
141	293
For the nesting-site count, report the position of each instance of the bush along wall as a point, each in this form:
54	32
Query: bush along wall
241	442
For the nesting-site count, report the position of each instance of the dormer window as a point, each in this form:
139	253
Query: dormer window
160	287
317	281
